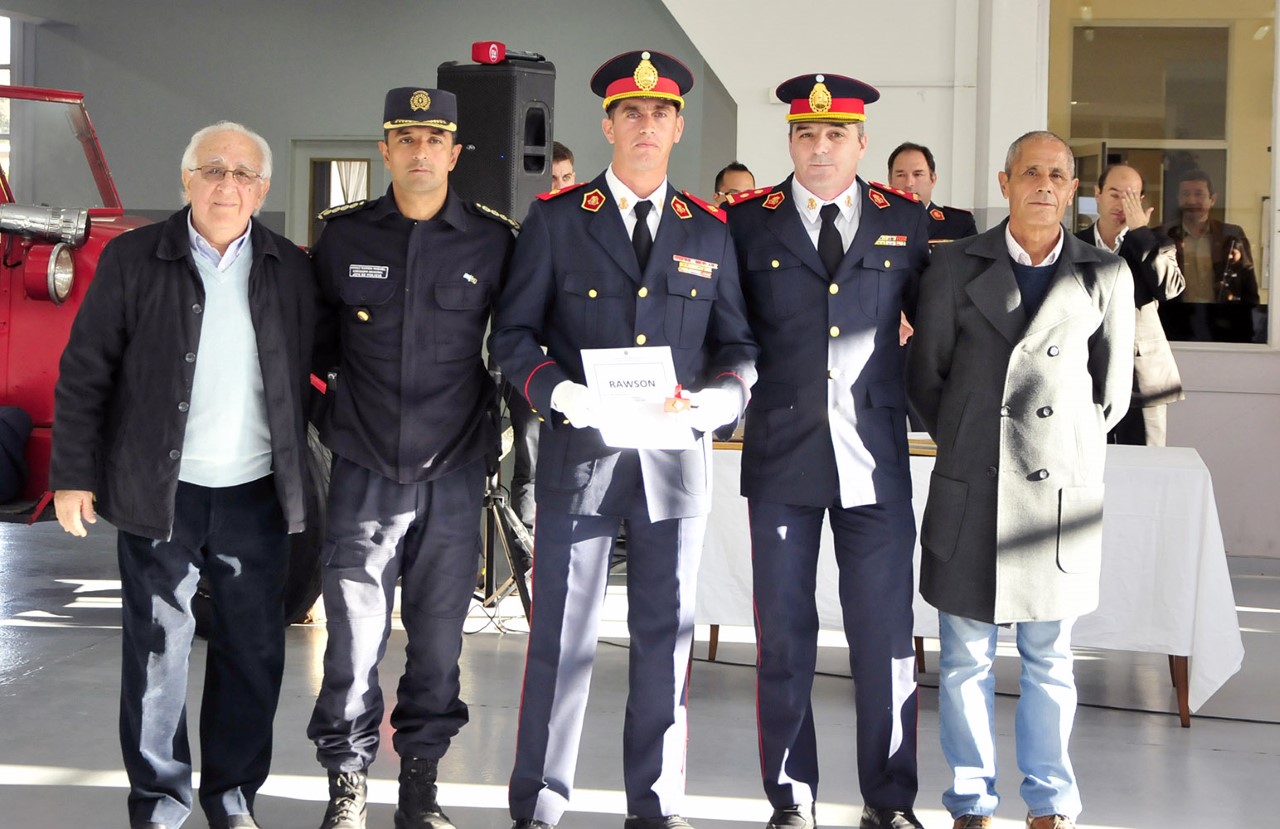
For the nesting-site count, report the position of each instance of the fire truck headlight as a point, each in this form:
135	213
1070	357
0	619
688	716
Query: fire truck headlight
62	273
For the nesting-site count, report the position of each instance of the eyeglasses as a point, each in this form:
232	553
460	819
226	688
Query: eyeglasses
214	173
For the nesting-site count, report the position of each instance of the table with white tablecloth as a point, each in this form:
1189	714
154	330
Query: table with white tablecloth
1165	586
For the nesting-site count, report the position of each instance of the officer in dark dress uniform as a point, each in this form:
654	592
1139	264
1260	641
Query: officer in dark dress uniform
830	265
407	281
625	260
912	168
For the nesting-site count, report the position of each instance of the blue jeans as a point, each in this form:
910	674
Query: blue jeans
1046	710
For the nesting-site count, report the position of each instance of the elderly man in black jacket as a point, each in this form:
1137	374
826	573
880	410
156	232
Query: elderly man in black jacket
179	417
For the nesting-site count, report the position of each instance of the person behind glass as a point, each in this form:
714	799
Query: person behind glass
623	261
407	282
830	265
1122	229
1217	261
562	173
735	178
912	168
179	418
1021	363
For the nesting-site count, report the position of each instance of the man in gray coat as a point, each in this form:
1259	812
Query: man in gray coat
1022	361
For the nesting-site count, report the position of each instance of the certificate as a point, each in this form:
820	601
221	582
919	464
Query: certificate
631	385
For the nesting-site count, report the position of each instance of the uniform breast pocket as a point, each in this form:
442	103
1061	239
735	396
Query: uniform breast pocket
371	321
593	304
771	280
883	282
689	301
462	309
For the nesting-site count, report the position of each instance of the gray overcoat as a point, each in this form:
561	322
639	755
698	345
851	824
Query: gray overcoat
1020	410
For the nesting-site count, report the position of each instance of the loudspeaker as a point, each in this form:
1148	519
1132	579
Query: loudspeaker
505	127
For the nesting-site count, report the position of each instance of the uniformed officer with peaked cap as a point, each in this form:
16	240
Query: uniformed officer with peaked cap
829	264
408	281
623	261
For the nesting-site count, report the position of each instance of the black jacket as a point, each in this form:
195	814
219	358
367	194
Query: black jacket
126	374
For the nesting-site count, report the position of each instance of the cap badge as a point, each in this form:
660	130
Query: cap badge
646	75
420	101
820	97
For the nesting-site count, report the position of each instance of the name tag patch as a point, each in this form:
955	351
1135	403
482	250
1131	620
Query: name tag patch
368	271
892	241
697	267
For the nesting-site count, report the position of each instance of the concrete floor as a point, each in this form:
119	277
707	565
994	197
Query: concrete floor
60	765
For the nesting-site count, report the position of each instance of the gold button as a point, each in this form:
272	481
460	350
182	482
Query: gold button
835	331
362	315
775	263
642	293
541	419
888	264
835	289
641	339
592	293
693	292
833	373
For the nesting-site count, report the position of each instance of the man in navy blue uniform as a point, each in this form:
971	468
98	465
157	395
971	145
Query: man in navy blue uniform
829	266
625	260
912	168
407	284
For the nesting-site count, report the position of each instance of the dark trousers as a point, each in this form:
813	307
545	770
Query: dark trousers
236	538
873	547
427	535
570	569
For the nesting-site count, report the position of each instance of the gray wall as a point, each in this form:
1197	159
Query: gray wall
154	72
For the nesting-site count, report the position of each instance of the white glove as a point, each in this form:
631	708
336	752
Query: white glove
576	402
713	408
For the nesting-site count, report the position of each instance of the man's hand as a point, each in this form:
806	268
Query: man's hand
74	506
1135	215
712	408
905	329
576	402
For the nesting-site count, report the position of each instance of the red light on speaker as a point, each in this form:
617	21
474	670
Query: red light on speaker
488	51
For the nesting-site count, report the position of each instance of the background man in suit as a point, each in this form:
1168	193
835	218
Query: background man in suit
577	281
1021	362
912	168
179	413
829	265
1122	229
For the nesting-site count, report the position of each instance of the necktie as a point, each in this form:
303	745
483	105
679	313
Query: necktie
641	238
830	246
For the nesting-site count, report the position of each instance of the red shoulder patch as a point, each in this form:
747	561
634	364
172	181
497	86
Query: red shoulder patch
748	195
895	191
551	194
707	206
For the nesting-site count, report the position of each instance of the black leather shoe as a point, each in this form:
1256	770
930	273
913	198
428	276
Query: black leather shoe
525	823
888	819
667	822
792	817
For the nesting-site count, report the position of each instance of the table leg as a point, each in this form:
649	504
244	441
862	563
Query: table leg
713	643
919	642
1178	669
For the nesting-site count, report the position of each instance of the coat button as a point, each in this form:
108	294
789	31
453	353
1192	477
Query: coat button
1046	411
775	263
641	339
196	309
833	373
642	293
174	454
834	289
190	357
991	471
1053	351
835	331
1004	411
1039	475
592	293
362	315
693	292
184	406
888	264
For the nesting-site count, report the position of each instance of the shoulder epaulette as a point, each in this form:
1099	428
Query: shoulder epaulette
345	209
748	195
486	210
707	206
895	191
551	194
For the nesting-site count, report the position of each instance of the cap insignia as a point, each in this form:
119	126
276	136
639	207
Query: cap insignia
820	97
646	75
420	101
